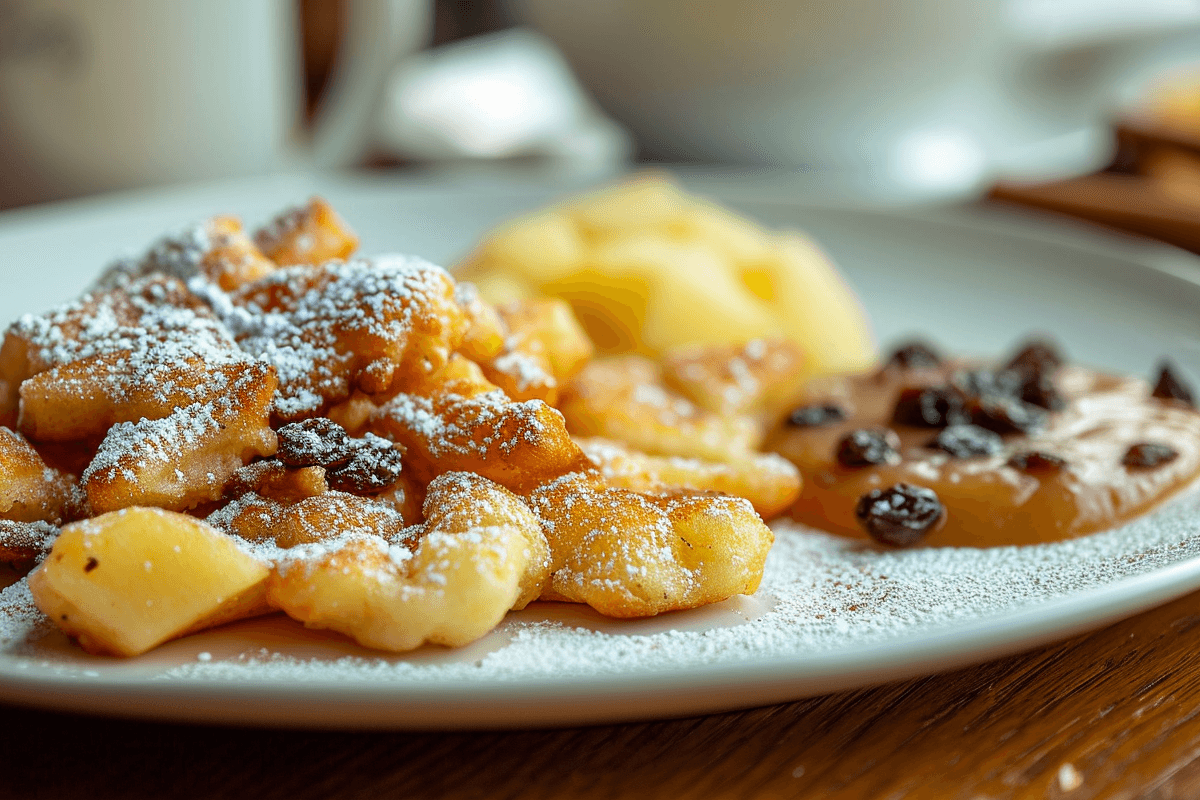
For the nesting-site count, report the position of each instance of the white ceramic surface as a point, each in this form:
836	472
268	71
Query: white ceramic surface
103	96
899	98
977	280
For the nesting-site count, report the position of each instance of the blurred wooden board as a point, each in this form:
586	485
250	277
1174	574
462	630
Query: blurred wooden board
1153	188
1125	202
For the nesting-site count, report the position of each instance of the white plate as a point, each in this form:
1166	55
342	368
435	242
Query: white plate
831	614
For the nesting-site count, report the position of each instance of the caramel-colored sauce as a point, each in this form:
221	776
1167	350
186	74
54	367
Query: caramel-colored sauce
989	502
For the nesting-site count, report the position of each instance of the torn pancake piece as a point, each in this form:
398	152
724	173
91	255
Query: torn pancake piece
187	457
376	325
459	421
633	555
29	489
24	544
770	482
449	582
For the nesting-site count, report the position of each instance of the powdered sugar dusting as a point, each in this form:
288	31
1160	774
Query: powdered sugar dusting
299	321
21	624
820	594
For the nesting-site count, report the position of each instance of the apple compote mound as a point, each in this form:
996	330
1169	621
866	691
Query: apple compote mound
943	452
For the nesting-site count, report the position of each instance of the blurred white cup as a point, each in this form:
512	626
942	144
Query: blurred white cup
110	94
904	97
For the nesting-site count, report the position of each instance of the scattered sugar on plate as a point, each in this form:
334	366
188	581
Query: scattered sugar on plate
820	594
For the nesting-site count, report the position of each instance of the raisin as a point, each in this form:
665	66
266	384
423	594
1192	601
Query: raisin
867	446
317	442
900	515
965	441
1036	358
91	564
1171	387
375	465
1145	455
813	416
1036	461
1007	415
988	383
914	355
930	407
1039	390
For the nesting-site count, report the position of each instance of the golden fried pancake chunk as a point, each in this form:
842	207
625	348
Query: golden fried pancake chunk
310	234
216	250
485	334
187	457
548	328
460	422
627	554
522	375
464	501
83	399
276	481
319	518
474	559
353	413
544	346
24	544
29	489
130	318
373	325
770	482
737	379
623	398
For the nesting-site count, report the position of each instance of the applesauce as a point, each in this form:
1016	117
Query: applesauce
1090	452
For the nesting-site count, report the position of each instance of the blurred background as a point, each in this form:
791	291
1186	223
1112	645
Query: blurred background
1090	107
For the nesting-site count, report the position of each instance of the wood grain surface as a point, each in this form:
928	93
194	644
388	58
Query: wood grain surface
1112	714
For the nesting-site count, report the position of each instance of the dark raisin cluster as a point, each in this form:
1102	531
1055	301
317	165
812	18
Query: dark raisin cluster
930	407
1012	399
317	442
360	466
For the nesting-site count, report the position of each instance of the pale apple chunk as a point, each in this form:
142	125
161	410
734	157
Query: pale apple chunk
544	246
125	582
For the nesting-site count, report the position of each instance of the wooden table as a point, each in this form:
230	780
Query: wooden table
1112	714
